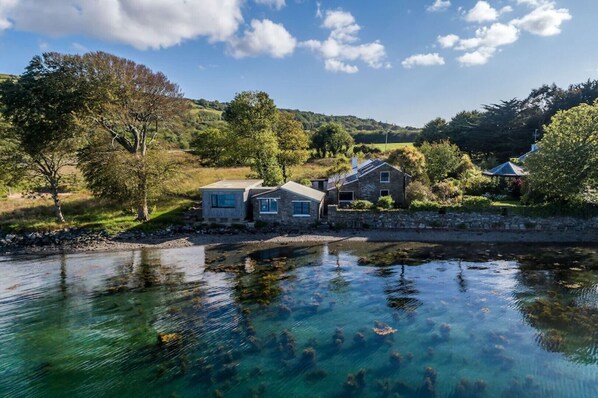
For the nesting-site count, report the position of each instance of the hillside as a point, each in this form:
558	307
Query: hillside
4	77
365	131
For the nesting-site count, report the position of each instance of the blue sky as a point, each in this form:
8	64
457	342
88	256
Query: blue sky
402	61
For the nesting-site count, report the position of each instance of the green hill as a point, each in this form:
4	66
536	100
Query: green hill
4	77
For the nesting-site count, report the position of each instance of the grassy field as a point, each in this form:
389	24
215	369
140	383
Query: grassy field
29	212
390	146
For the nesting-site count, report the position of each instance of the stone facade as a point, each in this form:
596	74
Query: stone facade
285	215
403	219
369	186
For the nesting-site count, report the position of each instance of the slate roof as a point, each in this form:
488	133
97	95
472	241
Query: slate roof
506	169
354	175
300	190
234	184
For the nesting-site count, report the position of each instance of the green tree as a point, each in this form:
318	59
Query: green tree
442	159
409	159
337	174
433	131
293	143
131	104
332	138
43	132
252	117
216	147
566	165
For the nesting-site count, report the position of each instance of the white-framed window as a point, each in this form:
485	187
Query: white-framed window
268	205
384	192
223	201
385	176
301	208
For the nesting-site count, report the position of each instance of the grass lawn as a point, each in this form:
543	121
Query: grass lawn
390	146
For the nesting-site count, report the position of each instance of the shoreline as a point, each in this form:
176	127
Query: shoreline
187	239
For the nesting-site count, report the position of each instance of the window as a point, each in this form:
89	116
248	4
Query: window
268	206
301	209
384	192
385	176
345	196
223	201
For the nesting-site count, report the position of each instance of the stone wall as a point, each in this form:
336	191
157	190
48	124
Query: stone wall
285	209
403	219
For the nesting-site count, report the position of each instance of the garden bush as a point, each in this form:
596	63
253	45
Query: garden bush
448	191
361	205
476	203
385	202
424	205
418	191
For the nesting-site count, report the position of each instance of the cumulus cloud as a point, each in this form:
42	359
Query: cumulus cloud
477	57
439	5
341	48
481	12
484	45
448	41
423	60
139	23
545	20
278	4
264	37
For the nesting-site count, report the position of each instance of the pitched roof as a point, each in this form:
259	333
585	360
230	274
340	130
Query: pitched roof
506	169
298	189
362	169
233	184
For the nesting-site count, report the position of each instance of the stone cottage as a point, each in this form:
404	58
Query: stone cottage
288	204
228	201
369	180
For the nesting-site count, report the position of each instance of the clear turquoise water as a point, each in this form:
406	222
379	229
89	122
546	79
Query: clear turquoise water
87	325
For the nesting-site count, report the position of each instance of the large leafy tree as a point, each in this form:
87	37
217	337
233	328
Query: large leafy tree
409	159
442	159
566	165
293	143
252	117
41	106
433	131
130	104
333	139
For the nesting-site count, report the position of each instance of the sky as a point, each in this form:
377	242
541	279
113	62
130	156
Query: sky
401	61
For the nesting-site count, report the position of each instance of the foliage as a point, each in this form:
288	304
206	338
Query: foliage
252	117
366	150
409	159
442	159
419	205
331	139
338	173
361	205
216	147
293	143
447	191
385	202
433	131
418	191
130	103
42	135
566	164
473	182
476	202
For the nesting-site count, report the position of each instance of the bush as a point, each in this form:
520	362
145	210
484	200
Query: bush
306	182
476	202
361	205
447	191
475	184
424	205
418	191
385	202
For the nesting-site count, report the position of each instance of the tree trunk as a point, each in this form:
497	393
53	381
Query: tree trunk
142	211
57	204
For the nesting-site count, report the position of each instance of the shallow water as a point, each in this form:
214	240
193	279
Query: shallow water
90	324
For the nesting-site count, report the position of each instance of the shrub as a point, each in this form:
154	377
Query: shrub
447	191
259	224
424	205
418	191
385	202
475	184
476	202
361	205
306	182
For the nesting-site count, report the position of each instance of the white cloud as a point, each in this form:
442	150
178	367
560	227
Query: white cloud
334	65
341	46
544	20
439	5
448	41
278	4
139	23
477	57
422	60
481	12
265	37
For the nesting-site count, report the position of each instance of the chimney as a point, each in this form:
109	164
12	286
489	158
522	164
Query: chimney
354	163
